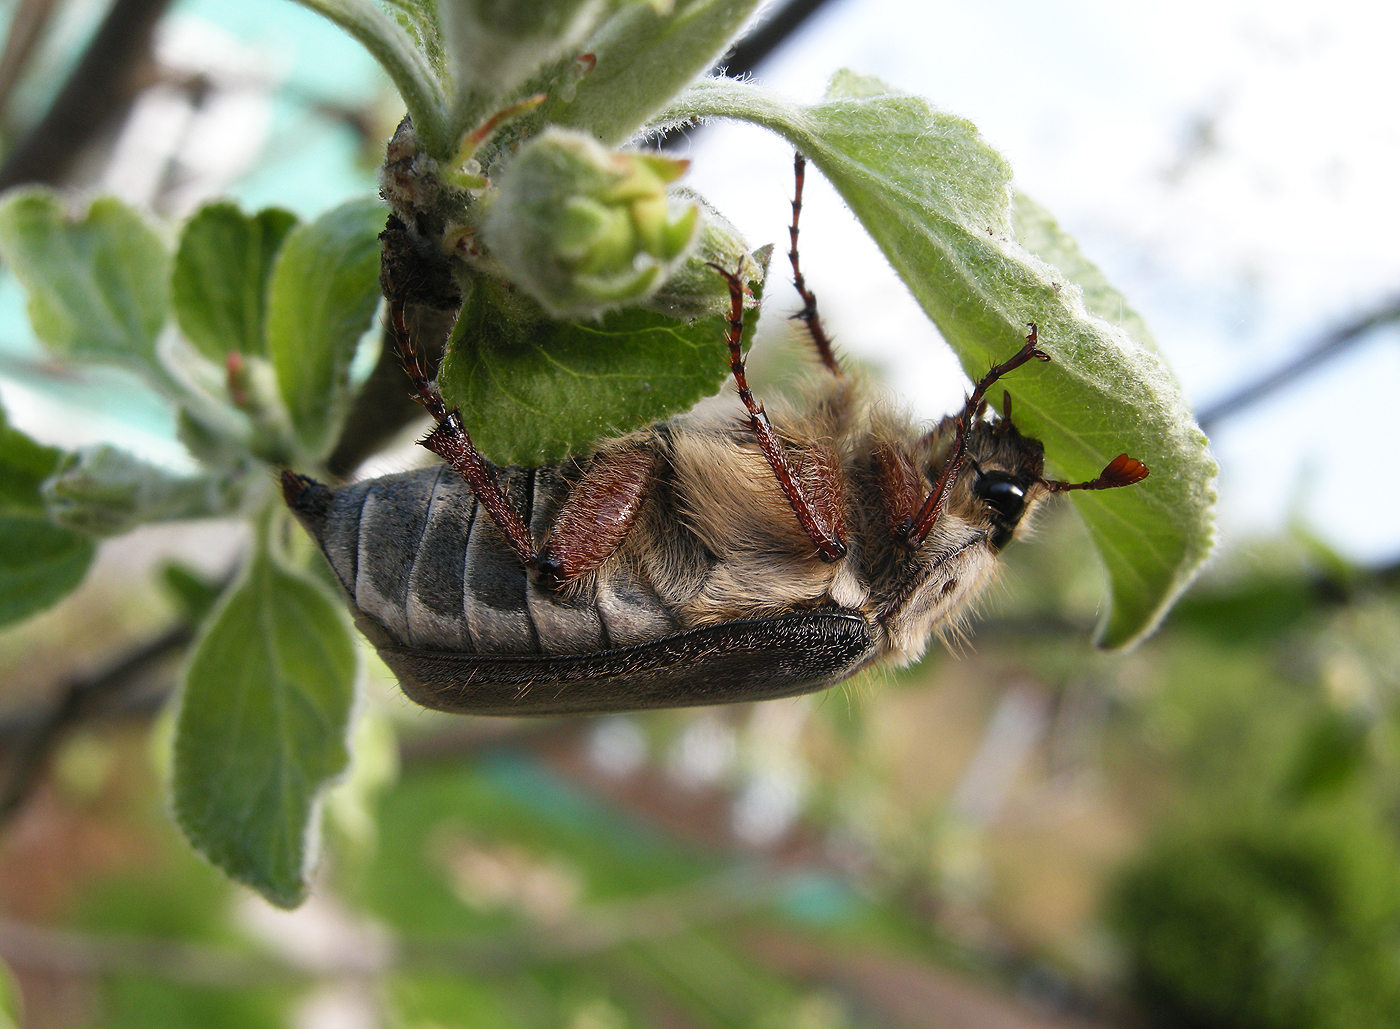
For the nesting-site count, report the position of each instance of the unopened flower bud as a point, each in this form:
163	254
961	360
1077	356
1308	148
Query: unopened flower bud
583	229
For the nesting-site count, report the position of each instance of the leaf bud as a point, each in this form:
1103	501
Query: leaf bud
583	229
103	491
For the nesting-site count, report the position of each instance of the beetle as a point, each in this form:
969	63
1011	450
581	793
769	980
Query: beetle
702	560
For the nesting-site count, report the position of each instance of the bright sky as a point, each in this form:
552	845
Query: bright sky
1230	164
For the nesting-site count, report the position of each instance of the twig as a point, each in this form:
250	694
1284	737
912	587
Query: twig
98	93
1329	346
750	51
80	701
27	27
591	930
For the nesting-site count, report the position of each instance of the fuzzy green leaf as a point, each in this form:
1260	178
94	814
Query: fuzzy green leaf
937	200
494	48
530	395
219	286
39	562
99	286
324	290
645	58
24	465
262	728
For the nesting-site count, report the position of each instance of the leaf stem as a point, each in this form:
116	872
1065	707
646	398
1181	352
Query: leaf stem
418	84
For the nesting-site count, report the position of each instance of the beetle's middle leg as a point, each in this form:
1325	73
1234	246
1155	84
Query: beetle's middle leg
818	508
449	440
809	299
597	515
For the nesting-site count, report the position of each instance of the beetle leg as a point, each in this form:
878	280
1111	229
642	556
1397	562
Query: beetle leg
821	526
449	440
596	516
933	506
809	299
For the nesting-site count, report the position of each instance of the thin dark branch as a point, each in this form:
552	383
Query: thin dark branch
1329	346
81	700
96	96
749	52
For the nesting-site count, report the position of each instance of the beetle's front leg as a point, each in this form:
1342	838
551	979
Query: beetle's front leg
449	440
808	314
972	408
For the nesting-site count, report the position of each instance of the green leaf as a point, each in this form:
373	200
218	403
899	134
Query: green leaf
1036	230
98	286
937	200
530	396
644	59
219	285
193	592
24	465
325	288
262	728
39	564
105	491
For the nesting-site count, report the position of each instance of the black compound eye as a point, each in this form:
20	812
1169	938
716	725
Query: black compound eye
1006	499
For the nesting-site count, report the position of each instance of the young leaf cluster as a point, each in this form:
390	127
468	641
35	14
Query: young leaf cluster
248	327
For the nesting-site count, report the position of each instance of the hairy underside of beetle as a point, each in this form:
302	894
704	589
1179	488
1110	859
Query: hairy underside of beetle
714	539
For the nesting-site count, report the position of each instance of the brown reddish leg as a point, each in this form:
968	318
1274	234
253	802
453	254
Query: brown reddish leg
809	300
595	518
449	440
973	406
821	526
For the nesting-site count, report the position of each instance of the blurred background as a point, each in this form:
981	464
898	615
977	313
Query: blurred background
1019	832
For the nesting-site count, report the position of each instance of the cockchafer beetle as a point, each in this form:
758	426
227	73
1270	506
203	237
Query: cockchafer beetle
703	560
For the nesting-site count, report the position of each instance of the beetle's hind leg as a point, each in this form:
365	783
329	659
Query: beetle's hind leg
449	440
808	313
818	504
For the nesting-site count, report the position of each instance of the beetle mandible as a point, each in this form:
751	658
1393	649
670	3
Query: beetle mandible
702	560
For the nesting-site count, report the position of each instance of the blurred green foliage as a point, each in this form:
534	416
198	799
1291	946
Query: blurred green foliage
1244	767
1268	894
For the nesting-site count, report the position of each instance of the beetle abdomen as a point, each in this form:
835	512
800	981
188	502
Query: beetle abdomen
754	659
430	572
